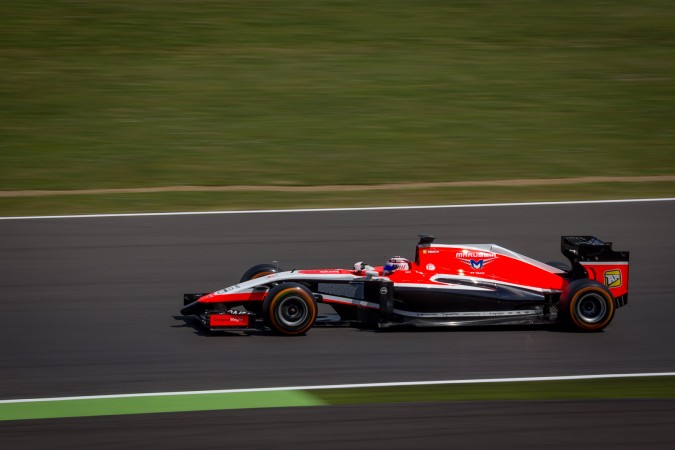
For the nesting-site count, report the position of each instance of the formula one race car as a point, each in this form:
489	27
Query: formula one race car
446	285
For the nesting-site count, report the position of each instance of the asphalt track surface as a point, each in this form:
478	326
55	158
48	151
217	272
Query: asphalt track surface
88	307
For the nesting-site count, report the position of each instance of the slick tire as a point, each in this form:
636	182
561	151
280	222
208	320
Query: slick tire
289	309
259	271
587	305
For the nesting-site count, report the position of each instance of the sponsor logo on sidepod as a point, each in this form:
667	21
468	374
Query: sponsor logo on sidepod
613	278
476	260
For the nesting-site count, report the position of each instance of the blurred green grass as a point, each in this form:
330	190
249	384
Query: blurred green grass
160	93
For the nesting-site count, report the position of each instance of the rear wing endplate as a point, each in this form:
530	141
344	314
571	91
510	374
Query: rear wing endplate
585	249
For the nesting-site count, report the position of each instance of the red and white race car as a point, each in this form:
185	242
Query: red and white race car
445	285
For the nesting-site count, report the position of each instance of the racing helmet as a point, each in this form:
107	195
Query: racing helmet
394	264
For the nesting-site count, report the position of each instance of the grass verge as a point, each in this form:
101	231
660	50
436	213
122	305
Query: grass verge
607	388
154	404
136	93
647	387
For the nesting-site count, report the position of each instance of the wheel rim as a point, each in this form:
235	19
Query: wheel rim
292	311
591	308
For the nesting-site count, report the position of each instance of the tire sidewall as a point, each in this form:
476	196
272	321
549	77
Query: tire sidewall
273	301
575	293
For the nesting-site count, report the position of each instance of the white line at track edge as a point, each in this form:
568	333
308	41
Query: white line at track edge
348	386
376	208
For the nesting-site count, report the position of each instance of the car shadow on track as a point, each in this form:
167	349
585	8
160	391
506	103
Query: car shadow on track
473	329
199	329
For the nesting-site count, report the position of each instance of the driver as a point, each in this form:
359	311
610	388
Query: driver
394	264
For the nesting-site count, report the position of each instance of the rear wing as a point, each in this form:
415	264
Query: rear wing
595	259
589	248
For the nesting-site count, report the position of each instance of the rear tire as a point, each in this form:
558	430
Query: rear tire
290	309
259	271
587	305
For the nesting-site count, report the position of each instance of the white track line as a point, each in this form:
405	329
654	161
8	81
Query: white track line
377	208
349	386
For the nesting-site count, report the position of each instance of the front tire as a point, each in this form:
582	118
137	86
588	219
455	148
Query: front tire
258	271
290	309
587	305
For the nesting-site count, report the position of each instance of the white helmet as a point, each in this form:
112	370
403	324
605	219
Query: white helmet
394	264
